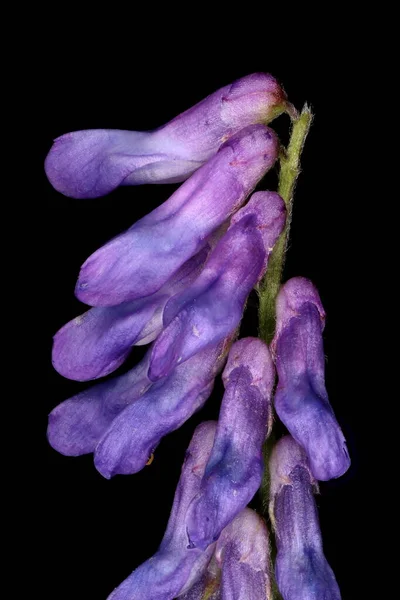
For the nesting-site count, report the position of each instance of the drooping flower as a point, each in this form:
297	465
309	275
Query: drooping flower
174	568
137	263
212	307
135	433
301	569
301	400
88	164
122	420
240	568
234	470
77	425
97	342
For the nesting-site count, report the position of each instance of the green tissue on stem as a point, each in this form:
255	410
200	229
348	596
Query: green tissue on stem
269	286
289	171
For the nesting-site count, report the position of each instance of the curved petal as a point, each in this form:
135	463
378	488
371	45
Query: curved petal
91	163
133	435
234	470
301	569
138	262
173	567
301	400
97	342
76	425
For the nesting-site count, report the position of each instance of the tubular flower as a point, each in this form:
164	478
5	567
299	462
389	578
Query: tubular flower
97	342
301	569
77	425
174	568
212	307
135	433
123	420
234	469
88	164
301	400
138	262
240	568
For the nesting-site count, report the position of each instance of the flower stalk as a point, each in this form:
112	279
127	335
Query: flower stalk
269	286
289	171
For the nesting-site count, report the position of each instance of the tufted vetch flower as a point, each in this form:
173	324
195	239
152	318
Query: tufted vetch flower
301	400
212	307
91	163
301	569
234	470
137	263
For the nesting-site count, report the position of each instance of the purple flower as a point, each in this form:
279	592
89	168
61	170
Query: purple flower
234	469
174	568
88	164
138	262
97	342
240	566
135	433
301	569
212	307
77	425
123	420
301	400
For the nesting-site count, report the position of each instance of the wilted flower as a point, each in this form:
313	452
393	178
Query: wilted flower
301	400
137	263
212	307
301	569
88	164
123	420
234	470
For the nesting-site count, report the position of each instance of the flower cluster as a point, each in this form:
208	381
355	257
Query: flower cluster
179	279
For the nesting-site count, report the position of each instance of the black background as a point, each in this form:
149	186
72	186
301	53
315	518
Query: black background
95	531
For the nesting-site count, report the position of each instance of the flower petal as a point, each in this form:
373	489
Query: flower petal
76	425
213	306
234	470
174	567
301	400
97	342
134	434
301	569
138	262
91	163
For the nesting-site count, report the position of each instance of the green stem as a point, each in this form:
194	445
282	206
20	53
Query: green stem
269	286
289	171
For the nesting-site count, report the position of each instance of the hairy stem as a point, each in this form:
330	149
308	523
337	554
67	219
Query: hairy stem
289	171
269	286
